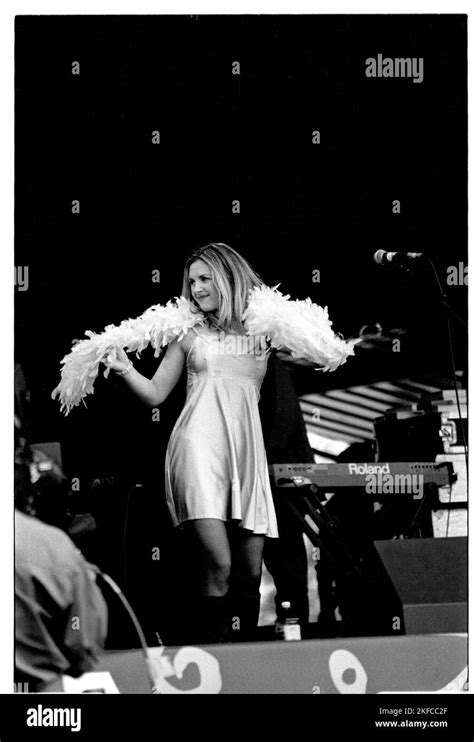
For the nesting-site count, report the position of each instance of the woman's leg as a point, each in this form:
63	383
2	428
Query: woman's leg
247	551
214	561
210	535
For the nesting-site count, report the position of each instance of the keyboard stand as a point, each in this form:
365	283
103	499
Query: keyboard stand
368	602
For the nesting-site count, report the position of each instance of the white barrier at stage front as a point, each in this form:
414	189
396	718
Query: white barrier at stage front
406	664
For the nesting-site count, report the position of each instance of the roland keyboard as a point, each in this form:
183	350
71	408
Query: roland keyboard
385	478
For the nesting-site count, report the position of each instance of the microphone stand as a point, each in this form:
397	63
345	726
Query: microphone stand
406	267
448	309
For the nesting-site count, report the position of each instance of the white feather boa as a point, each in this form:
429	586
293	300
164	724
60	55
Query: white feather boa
158	326
302	327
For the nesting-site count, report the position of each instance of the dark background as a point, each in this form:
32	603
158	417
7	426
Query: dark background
223	137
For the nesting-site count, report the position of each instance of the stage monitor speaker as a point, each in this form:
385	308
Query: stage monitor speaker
430	576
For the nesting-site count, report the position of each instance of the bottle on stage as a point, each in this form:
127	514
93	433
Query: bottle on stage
287	626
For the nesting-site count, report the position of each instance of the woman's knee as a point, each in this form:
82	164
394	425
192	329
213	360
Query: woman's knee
254	576
216	578
248	577
220	566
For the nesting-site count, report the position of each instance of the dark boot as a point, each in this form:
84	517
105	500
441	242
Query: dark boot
213	620
244	620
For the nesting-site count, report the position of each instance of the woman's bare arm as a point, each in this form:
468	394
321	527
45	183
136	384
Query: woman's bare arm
169	371
154	391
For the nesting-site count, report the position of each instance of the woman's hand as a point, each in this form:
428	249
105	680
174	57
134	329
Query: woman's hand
117	360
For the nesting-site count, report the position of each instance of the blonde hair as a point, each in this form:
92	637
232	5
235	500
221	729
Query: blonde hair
233	278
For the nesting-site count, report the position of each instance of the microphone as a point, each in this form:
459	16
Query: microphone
403	259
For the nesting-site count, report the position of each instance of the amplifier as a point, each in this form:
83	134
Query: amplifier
423	430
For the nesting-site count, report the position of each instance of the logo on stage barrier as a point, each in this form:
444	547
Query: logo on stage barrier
208	680
379	665
347	672
349	676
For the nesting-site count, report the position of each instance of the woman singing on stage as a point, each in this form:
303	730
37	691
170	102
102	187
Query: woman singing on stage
217	481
